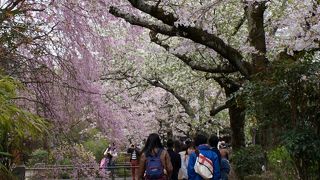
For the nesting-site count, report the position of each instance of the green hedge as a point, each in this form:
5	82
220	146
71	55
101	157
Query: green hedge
248	161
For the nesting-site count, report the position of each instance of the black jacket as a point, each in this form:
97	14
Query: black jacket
176	163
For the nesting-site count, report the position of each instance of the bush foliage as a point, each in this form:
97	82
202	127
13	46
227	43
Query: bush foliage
248	161
281	163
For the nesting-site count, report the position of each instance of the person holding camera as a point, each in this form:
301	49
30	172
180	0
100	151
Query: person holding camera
134	156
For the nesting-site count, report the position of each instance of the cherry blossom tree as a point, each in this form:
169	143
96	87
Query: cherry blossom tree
60	70
181	112
244	37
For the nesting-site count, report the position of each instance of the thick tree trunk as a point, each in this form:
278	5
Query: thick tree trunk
257	39
237	120
255	16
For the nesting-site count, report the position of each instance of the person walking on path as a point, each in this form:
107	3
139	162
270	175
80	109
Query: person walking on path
155	160
213	142
110	153
184	155
134	156
103	166
200	141
225	165
175	159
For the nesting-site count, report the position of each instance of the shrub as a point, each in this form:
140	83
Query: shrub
38	156
281	164
97	147
304	147
74	154
248	161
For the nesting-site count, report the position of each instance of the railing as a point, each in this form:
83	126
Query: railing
121	171
114	172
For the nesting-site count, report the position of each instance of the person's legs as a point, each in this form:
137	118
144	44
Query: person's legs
109	168
134	163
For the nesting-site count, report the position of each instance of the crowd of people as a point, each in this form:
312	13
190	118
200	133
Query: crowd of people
201	158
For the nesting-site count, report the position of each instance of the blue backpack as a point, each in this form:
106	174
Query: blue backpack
154	167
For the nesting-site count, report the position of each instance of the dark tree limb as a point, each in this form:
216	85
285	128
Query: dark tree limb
155	11
226	82
190	62
240	23
216	110
158	27
195	34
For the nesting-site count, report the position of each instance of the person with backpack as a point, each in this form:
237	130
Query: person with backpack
204	162
175	159
155	161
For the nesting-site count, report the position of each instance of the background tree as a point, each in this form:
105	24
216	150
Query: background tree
17	127
60	86
286	103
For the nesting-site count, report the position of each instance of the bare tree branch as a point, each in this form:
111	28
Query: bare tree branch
31	100
160	83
